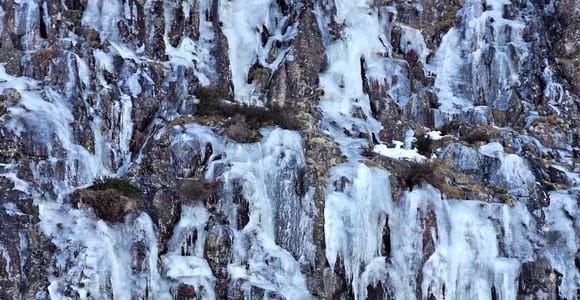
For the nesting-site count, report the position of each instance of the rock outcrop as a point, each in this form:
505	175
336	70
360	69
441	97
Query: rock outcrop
284	149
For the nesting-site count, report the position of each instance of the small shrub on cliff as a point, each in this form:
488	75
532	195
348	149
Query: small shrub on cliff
450	128
247	117
476	136
423	144
123	186
434	173
481	134
110	198
419	173
210	100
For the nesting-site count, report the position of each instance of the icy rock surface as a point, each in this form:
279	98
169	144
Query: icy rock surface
392	150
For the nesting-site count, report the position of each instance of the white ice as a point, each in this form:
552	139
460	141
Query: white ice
398	152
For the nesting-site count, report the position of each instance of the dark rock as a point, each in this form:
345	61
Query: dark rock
109	205
154	45
538	278
564	33
218	252
378	292
185	292
429	226
243	210
165	210
296	80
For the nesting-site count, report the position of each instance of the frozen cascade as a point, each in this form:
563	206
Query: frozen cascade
262	171
107	88
356	214
245	24
103	262
447	249
487	48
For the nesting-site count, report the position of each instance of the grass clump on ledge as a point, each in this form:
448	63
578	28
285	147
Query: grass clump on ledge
435	173
481	134
123	186
211	104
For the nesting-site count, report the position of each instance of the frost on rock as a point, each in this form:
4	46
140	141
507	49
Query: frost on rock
398	152
414	125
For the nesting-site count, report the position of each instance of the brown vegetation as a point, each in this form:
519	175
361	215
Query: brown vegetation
242	121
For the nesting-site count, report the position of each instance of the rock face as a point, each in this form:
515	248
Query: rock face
284	149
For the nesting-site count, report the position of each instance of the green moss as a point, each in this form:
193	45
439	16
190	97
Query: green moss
210	100
123	186
418	173
182	121
551	120
499	116
443	25
255	135
92	35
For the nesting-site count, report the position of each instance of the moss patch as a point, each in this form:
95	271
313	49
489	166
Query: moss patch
122	186
481	134
108	204
43	54
435	173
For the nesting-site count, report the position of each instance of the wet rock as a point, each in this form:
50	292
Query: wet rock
243	209
154	45
239	130
218	253
434	20
25	252
165	210
429	239
9	53
552	131
185	292
40	62
257	293
564	32
8	97
199	190
558	175
109	204
378	291
165	161
538	279
296	81
220	52
420	108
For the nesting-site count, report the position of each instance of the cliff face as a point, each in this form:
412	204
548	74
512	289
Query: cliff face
261	149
